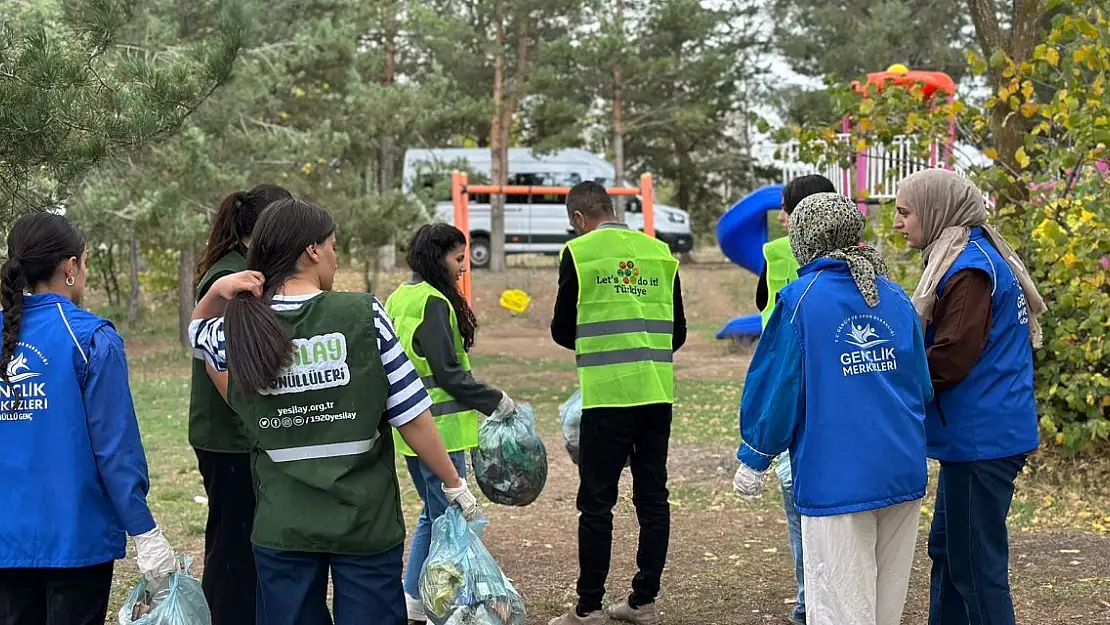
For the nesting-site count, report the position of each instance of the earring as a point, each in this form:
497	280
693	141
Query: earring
70	281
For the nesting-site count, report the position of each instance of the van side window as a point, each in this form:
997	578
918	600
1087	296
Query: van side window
546	179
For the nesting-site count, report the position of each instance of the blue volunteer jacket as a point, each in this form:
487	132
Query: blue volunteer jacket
992	413
74	470
843	386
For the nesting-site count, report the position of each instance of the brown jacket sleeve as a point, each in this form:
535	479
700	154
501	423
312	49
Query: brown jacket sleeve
962	323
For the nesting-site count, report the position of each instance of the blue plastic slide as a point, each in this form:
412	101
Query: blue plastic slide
741	233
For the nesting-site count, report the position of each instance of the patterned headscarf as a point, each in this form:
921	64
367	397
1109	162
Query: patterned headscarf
830	225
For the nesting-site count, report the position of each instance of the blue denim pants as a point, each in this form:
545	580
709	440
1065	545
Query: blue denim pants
430	489
969	544
794	531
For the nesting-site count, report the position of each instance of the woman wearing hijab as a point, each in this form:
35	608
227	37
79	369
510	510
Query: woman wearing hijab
842	335
979	308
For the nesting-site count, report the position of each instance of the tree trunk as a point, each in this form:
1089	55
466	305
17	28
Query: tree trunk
498	154
133	301
387	254
186	293
618	124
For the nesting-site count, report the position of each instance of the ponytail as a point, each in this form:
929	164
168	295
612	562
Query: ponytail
234	222
12	284
258	346
37	245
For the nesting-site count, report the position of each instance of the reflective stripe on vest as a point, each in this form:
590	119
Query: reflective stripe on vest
329	450
782	269
624	336
457	423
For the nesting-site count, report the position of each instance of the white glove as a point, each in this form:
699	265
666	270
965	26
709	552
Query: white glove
747	481
463	498
156	559
505	407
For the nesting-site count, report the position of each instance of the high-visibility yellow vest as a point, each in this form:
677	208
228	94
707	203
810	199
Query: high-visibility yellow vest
625	318
457	423
782	269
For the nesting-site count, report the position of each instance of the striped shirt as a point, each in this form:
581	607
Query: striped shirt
407	396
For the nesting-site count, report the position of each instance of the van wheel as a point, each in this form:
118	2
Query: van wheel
479	252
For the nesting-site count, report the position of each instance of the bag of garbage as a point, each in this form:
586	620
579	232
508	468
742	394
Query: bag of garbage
179	601
510	461
570	415
461	583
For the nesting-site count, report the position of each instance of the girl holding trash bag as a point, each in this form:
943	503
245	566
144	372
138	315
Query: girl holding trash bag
218	437
980	308
73	465
842	334
436	327
318	378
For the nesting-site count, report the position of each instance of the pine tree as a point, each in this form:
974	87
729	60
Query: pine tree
76	89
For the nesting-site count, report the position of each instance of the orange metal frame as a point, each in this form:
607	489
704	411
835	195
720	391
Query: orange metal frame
460	200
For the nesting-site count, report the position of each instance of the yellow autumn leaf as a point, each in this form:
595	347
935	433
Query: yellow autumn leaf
1069	258
1028	109
1022	158
1086	216
1003	93
1052	55
1059	440
1027	89
991	153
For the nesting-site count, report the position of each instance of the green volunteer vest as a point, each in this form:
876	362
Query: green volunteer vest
323	458
213	425
625	318
782	269
457	423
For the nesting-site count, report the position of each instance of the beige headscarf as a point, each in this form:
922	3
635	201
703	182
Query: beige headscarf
948	206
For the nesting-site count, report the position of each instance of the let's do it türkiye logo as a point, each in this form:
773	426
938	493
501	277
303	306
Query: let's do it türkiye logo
628	280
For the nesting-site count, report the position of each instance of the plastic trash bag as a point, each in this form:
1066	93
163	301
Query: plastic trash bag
510	461
570	415
461	583
180	603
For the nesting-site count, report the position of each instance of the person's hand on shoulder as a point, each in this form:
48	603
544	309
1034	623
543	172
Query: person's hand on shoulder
231	285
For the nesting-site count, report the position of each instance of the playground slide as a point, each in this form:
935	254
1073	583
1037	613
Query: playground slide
741	233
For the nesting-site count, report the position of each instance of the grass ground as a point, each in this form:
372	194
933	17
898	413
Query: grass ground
729	562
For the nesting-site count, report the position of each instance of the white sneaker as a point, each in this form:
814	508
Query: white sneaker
415	609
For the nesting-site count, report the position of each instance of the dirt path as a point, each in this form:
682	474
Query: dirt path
729	562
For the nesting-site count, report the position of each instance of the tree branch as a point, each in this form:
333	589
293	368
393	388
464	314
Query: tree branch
987	30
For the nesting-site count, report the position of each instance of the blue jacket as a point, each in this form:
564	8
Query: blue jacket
74	470
843	386
992	413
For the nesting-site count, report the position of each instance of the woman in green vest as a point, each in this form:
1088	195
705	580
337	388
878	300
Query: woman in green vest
436	326
781	268
318	378
217	436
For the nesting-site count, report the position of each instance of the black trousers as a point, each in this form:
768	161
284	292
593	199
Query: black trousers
229	580
609	437
55	596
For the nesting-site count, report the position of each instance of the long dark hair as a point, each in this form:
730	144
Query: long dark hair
234	222
430	244
258	347
37	244
802	187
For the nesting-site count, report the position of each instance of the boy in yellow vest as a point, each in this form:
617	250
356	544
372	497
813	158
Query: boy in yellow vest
619	307
779	269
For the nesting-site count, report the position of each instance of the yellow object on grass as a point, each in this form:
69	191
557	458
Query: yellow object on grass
515	300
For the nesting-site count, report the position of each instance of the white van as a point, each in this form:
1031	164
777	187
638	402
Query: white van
533	224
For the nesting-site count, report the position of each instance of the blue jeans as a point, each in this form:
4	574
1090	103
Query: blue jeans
794	529
969	544
430	489
293	588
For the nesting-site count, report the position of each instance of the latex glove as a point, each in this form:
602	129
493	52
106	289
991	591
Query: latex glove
156	559
747	481
463	498
505	407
